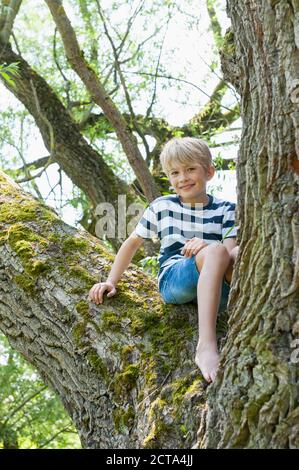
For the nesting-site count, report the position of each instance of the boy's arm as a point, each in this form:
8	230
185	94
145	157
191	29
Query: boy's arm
121	262
124	257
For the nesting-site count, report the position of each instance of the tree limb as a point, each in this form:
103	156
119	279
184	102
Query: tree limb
9	11
100	96
111	365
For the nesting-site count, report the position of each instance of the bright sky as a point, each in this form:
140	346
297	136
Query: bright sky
170	101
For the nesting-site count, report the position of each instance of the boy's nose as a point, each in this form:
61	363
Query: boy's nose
183	177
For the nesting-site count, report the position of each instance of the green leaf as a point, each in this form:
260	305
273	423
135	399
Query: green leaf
228	232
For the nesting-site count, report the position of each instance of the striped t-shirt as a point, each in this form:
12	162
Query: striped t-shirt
174	222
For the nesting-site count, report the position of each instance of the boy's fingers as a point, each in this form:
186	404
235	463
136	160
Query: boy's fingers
111	293
93	290
99	294
91	295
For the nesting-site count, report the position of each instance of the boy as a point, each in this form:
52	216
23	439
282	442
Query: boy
196	261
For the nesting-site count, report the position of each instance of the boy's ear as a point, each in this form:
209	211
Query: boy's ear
210	172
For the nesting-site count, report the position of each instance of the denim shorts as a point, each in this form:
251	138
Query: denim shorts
178	284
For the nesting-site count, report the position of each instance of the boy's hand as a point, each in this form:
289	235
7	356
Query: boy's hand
193	246
97	291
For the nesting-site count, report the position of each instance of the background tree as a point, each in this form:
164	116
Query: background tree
30	414
116	62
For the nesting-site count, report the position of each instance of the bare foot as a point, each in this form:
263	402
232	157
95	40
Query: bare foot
207	359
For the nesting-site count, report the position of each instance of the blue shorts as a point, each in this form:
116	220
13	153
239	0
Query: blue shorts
178	284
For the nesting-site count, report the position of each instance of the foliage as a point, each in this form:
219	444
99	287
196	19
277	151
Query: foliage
150	265
31	417
155	60
7	72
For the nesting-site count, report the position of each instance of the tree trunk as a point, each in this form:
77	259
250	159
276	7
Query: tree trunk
254	401
123	370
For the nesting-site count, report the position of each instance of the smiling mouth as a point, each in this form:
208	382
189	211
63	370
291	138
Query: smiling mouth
187	186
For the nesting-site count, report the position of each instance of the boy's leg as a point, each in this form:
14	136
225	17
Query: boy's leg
229	271
212	262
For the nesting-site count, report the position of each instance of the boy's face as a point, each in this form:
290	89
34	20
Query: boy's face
189	181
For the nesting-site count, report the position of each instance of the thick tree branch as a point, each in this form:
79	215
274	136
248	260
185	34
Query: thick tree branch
215	25
121	76
83	165
115	366
9	11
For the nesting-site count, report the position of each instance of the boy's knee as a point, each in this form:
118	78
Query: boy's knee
217	251
235	250
234	253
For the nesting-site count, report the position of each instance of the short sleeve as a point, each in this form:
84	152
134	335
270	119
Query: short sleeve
229	229
147	226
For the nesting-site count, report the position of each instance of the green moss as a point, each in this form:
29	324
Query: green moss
78	332
180	388
130	375
126	380
151	440
78	291
26	283
72	261
104	252
20	232
123	418
96	361
54	238
111	321
23	249
25	243
73	244
229	47
22	210
194	387
155	437
126	351
156	408
150	370
82	308
83	275
129	417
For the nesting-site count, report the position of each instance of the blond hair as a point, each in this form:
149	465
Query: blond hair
183	151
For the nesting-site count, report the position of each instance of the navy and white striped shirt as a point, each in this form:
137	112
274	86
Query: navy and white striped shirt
174	222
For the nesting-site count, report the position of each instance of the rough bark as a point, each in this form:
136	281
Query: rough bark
123	370
254	401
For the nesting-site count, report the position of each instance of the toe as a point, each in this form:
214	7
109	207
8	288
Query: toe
213	375
207	376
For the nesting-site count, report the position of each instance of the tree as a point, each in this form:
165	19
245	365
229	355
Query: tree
123	379
69	135
55	116
30	414
118	372
254	402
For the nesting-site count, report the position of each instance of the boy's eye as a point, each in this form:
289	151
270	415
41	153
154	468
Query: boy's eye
173	173
191	169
